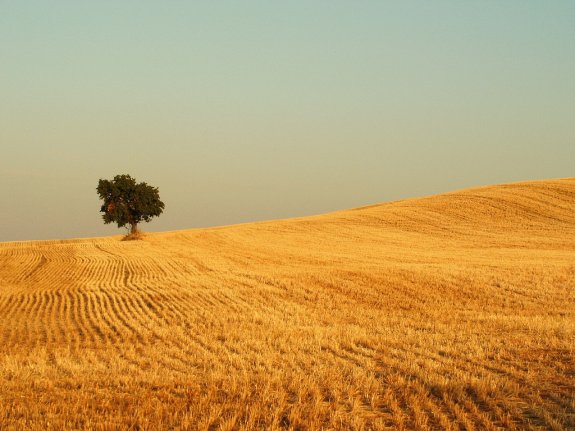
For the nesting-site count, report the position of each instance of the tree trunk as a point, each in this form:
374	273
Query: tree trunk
134	228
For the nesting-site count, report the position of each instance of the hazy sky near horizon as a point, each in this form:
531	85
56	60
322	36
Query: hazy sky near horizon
250	110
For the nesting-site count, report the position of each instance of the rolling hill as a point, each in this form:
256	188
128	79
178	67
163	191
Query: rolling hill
454	311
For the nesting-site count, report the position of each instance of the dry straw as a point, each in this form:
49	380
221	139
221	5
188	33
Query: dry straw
449	312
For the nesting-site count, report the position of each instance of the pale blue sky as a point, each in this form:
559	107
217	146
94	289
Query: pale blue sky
252	110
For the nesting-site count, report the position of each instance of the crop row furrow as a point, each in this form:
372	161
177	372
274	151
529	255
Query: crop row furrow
119	319
439	415
42	322
8	321
7	302
83	316
105	314
59	316
82	334
91	317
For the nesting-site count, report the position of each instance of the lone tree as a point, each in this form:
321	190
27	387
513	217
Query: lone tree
127	202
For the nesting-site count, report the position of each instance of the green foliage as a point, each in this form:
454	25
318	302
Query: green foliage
127	202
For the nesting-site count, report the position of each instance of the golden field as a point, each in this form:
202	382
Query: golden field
449	312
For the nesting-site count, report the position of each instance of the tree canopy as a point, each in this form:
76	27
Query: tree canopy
127	202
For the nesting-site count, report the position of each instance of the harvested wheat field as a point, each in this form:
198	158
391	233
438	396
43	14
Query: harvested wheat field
450	312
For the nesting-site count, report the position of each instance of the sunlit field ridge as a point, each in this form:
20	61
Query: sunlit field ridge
454	311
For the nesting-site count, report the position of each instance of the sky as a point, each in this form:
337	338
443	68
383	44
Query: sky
247	110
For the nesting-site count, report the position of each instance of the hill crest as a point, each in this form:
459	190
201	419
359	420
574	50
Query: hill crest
501	205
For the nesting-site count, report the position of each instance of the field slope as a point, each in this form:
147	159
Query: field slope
454	311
